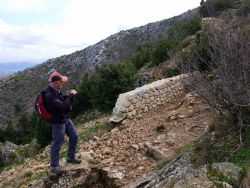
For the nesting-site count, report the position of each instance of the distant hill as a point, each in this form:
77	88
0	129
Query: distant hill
12	67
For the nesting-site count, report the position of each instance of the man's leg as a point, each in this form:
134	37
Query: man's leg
73	138
58	131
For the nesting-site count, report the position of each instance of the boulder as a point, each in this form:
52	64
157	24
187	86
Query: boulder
8	153
231	172
118	114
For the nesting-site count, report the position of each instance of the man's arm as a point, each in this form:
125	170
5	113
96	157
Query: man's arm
62	105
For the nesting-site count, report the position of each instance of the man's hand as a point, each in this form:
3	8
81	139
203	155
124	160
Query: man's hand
73	92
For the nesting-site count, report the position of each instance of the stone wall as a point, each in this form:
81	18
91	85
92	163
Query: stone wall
141	100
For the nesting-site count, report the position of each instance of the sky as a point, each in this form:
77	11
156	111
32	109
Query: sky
37	30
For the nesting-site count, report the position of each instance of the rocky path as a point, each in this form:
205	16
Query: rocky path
129	151
137	146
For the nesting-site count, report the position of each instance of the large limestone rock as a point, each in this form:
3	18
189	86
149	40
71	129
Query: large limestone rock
120	108
8	153
230	171
180	173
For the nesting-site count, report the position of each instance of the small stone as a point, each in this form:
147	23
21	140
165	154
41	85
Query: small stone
92	142
107	151
135	146
147	144
106	161
155	154
181	116
170	142
120	158
134	113
96	138
115	130
156	141
115	174
147	96
131	108
140	168
172	117
106	168
124	122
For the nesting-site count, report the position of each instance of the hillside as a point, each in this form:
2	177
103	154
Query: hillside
21	88
123	152
184	124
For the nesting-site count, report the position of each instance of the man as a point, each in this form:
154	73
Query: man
59	106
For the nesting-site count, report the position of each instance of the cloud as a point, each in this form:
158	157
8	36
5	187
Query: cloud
79	23
22	5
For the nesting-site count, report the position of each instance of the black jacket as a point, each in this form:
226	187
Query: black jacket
58	105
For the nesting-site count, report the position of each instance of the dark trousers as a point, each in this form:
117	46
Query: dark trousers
58	132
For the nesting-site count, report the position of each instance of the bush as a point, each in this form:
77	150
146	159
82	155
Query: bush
229	90
101	89
170	72
82	99
211	8
109	81
24	129
43	132
244	9
8	133
160	51
141	55
242	156
183	29
199	53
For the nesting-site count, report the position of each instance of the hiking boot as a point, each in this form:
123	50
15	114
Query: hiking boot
74	161
57	170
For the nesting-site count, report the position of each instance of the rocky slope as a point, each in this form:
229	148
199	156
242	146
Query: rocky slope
117	158
21	88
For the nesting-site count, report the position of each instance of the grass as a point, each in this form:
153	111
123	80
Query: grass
90	132
218	177
242	156
223	146
10	165
26	151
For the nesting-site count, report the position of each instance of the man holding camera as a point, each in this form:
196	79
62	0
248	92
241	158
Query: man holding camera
60	106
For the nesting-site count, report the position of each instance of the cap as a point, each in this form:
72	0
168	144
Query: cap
56	76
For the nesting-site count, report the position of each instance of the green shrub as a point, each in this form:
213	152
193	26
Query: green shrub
199	53
109	81
82	99
211	8
242	156
244	9
17	108
141	55
170	72
9	133
183	29
43	133
101	89
160	51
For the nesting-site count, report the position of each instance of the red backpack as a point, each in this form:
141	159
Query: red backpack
41	108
